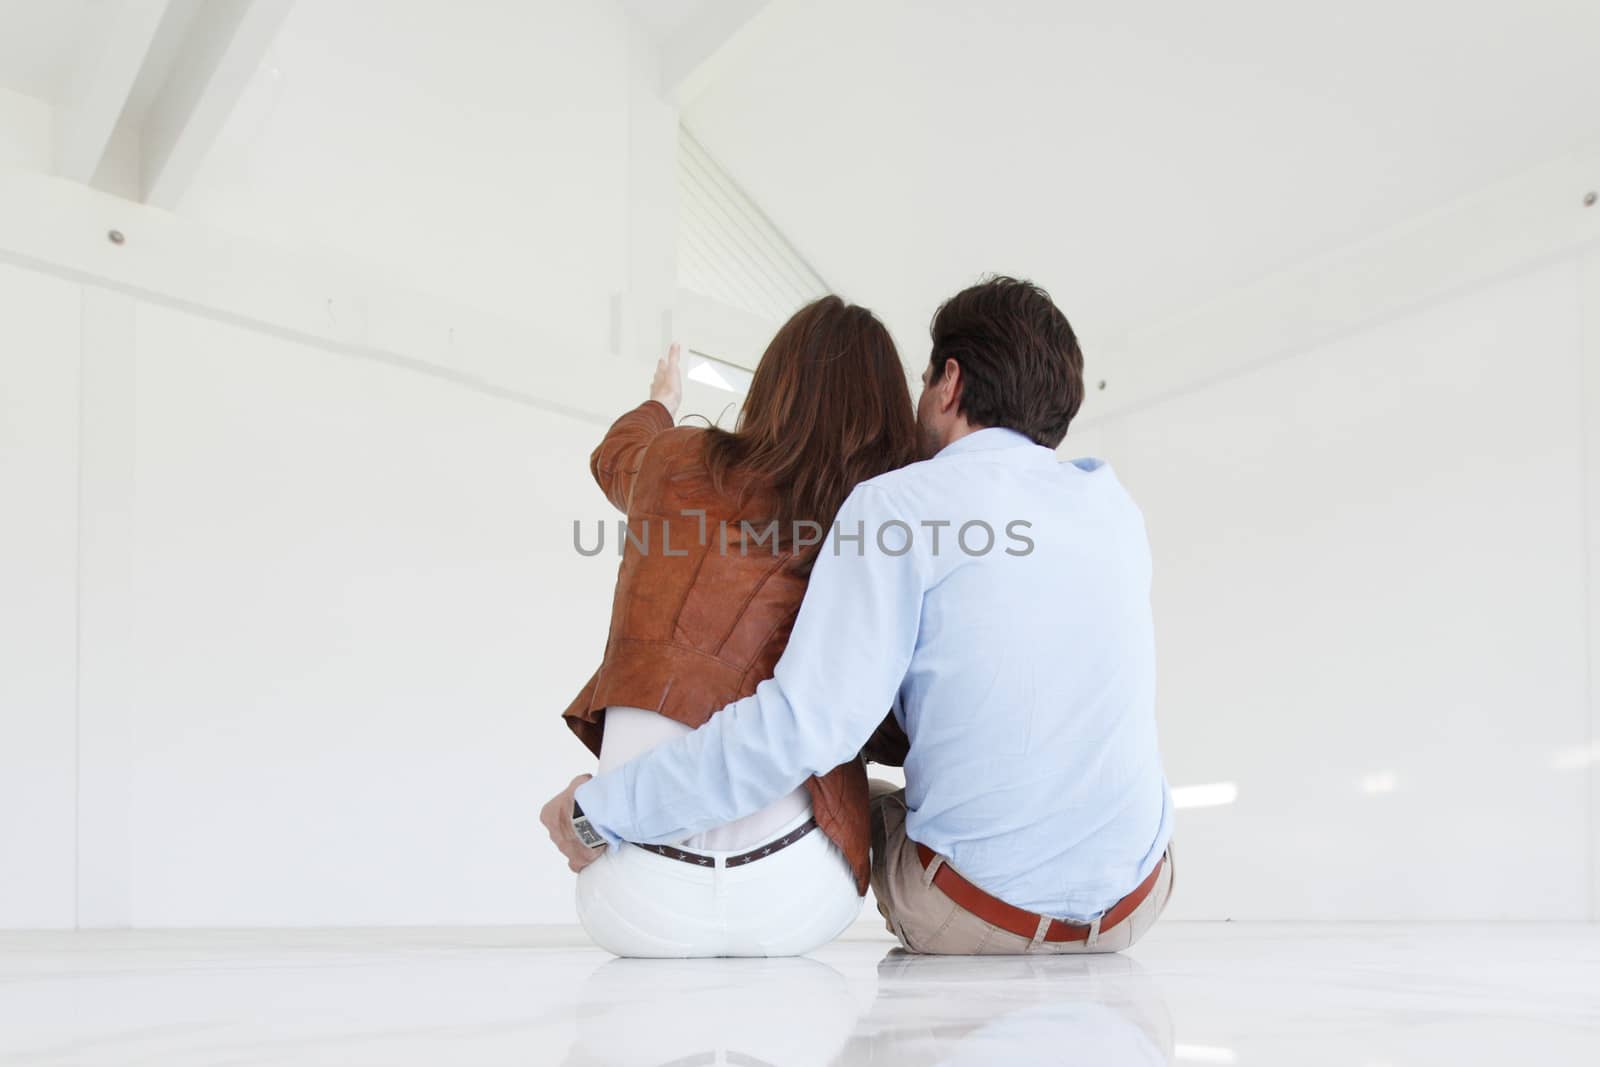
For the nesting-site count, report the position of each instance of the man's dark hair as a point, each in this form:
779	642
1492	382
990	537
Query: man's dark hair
1020	362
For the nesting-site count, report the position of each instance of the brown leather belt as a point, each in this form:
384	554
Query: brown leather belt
700	859
1025	923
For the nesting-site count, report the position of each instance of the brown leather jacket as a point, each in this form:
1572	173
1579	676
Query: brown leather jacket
695	627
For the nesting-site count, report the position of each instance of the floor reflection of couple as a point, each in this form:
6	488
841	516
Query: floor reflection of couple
1103	1010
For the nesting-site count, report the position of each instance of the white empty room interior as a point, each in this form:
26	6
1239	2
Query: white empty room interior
313	311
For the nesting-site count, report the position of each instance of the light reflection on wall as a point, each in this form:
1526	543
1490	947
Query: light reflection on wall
1211	795
1577	758
1379	782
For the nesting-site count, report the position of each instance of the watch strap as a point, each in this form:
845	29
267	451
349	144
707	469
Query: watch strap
586	831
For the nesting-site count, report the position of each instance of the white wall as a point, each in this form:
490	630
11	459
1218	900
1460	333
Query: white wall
359	615
318	667
1371	604
351	613
38	596
289	606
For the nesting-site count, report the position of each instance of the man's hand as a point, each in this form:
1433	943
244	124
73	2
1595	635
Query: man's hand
667	388
557	818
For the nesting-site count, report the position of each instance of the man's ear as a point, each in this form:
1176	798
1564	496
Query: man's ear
950	383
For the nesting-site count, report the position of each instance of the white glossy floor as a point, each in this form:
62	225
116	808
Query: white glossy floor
1353	995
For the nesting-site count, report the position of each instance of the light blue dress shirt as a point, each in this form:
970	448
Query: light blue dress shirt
1023	674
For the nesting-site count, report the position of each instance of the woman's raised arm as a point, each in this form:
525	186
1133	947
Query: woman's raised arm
616	462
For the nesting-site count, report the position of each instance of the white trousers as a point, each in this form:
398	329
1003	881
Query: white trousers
634	902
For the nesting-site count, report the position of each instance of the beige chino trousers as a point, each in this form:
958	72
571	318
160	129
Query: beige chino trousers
925	920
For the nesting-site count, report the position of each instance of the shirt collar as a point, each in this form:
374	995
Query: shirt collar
988	439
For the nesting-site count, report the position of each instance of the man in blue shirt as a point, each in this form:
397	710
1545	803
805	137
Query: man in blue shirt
998	600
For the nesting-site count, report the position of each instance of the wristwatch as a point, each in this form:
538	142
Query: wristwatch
586	831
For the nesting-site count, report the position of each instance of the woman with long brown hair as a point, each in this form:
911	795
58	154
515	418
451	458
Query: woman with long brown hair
723	528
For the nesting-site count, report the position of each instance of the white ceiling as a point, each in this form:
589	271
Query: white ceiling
662	18
40	42
1134	158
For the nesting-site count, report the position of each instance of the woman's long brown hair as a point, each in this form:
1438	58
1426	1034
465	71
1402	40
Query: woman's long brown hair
828	408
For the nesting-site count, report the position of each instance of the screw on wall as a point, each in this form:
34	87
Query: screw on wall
1102	385
1589	198
115	237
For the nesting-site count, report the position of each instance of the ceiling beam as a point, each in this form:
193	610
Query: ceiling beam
220	56
103	76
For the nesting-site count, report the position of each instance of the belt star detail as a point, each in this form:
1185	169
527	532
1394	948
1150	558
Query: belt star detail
700	859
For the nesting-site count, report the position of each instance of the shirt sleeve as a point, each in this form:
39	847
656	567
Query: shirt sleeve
847	655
